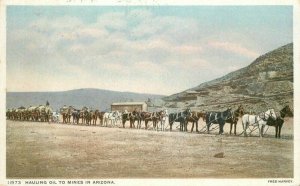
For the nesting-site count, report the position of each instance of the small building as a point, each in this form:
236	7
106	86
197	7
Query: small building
129	106
191	92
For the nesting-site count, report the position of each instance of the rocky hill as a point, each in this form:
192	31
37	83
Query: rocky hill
265	83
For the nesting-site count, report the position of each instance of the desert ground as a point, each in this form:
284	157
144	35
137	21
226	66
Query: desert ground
52	150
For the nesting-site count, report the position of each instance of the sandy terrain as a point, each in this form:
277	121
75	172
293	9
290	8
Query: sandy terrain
42	150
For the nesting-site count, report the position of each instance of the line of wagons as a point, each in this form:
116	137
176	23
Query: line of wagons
158	118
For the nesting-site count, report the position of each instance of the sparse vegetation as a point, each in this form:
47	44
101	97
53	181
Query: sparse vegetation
267	82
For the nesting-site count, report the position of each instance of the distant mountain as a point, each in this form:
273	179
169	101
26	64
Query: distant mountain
265	83
94	98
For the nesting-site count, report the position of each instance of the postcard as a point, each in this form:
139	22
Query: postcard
149	93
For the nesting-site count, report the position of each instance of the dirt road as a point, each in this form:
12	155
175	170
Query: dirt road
42	150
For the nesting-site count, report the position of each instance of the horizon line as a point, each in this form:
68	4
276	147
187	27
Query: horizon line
43	91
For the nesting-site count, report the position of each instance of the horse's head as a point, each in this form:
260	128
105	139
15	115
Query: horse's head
240	110
165	111
286	110
188	112
228	113
162	113
270	114
117	114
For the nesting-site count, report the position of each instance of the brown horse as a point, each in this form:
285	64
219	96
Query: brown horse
83	115
194	118
146	117
278	123
8	114
100	115
94	116
239	112
32	111
66	112
181	117
129	116
88	117
155	117
125	117
76	116
137	116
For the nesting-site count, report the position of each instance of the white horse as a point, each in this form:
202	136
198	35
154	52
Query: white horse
164	115
55	117
113	116
257	121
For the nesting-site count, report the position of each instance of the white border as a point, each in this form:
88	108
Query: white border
149	2
2	90
296	33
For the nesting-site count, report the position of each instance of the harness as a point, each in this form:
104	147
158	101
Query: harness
194	117
216	116
150	117
177	116
256	120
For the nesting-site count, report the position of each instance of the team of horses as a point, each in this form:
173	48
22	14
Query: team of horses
158	118
41	113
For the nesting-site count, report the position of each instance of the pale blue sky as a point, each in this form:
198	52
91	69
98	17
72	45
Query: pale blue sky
153	49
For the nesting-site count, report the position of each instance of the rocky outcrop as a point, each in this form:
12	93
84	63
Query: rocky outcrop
265	83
